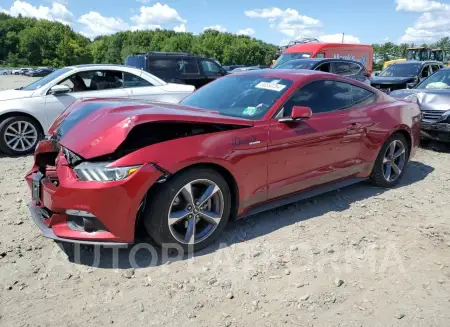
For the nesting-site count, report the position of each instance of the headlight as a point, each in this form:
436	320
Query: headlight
100	172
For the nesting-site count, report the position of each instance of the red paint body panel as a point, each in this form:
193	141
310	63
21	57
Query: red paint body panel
268	159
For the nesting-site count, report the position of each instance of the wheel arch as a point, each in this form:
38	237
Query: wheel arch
406	132
227	175
224	172
17	113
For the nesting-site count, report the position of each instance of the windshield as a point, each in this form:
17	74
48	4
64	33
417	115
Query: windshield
44	80
401	70
439	80
296	64
285	57
244	96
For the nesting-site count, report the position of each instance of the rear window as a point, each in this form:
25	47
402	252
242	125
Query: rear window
296	64
285	57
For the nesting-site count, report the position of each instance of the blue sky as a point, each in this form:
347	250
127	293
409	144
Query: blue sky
275	21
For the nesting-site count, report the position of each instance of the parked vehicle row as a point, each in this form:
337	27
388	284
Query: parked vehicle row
278	136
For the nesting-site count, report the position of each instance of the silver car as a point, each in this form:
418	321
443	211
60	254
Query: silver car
433	97
27	113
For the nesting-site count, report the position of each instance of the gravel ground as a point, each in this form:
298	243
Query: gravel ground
361	256
14	81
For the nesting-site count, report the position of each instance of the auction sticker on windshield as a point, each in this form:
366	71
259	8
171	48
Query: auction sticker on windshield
270	86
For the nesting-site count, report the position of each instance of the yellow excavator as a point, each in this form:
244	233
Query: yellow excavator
421	54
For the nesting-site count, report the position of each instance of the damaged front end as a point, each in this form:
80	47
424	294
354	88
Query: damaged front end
89	180
435	108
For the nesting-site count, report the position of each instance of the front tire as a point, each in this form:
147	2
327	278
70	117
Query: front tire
190	210
19	135
391	162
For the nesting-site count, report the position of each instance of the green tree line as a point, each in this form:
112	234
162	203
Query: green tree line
32	42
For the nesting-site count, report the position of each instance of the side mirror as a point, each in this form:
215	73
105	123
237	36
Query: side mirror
376	73
410	85
298	113
59	89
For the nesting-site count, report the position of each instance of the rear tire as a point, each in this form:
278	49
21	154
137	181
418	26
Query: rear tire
391	162
19	135
205	219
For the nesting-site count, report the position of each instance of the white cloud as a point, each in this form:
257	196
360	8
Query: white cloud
96	24
294	25
246	31
180	28
58	12
337	38
289	22
149	18
432	25
420	5
156	15
215	27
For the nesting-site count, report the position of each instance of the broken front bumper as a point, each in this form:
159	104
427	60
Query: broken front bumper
435	131
69	210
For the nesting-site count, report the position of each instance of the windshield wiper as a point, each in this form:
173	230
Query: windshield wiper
19	88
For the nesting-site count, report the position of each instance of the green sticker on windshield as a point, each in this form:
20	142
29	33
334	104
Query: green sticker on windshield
249	111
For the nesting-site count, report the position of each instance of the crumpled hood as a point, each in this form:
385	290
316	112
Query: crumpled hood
92	128
391	80
14	94
428	99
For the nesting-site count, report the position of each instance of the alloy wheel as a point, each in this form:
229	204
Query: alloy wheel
196	211
394	161
20	136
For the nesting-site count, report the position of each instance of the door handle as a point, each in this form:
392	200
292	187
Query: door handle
353	126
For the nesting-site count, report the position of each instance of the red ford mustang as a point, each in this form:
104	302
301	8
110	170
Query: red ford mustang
243	144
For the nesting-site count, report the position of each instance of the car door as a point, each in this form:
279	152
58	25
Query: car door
190	72
322	149
85	84
211	70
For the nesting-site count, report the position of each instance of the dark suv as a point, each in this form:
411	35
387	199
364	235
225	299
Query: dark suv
344	67
178	67
404	74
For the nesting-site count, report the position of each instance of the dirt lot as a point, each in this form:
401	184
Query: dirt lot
14	81
361	256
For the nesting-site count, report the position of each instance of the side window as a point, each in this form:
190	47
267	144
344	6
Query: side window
188	66
131	80
210	68
354	69
342	68
321	96
161	64
425	72
362	97
435	68
94	80
326	67
320	55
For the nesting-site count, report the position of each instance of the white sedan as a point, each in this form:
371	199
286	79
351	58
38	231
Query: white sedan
27	113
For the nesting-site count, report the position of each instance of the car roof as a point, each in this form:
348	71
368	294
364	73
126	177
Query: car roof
417	62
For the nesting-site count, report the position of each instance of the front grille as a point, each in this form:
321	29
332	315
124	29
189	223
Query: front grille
431	115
